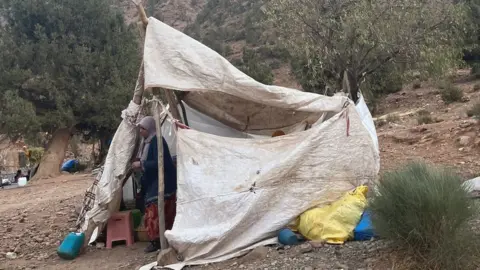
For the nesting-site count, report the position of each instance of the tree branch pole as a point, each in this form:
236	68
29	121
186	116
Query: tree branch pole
168	93
161	178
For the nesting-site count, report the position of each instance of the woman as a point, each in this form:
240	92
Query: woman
148	165
17	176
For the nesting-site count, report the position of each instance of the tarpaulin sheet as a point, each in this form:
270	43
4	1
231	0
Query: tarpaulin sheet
236	193
173	60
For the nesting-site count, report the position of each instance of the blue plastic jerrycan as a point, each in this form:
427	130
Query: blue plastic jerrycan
71	245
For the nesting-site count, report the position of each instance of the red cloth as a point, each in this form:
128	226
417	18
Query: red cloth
152	220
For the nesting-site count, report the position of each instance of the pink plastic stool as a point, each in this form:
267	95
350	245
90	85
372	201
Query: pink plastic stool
120	228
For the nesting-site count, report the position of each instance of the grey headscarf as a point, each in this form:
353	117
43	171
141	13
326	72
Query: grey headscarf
147	123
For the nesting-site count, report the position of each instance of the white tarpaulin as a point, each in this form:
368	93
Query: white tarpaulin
173	60
104	196
236	193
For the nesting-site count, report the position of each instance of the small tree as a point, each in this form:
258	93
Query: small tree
65	66
361	36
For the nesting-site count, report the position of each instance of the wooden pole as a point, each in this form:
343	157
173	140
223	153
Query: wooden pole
173	104
161	179
141	12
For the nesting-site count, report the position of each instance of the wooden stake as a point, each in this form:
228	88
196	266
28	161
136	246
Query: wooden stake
173	104
161	179
141	12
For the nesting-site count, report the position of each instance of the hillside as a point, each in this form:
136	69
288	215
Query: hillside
229	27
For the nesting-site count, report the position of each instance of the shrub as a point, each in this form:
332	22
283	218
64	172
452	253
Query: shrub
475	71
476	87
451	93
426	211
417	84
227	50
392	118
424	117
474	111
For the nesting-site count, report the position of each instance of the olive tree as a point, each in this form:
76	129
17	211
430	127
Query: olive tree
361	36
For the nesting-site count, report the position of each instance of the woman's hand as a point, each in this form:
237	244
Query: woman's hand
137	166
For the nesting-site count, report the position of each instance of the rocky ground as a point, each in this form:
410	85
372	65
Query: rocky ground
34	219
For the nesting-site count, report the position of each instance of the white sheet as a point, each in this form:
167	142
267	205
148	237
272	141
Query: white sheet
236	193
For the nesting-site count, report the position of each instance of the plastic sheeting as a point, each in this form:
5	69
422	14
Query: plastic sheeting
234	194
185	64
108	190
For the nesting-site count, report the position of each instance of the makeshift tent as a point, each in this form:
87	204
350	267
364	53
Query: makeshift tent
237	187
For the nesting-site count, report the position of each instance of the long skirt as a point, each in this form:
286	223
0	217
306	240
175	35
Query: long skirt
152	220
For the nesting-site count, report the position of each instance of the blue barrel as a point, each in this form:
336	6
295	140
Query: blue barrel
69	165
71	245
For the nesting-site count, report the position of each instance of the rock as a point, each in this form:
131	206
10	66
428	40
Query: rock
464	140
465	99
466	124
419	129
9	229
477	142
316	244
256	254
308	268
11	255
21	220
100	245
306	248
166	257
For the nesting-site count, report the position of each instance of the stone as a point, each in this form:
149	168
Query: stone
21	220
464	140
256	254
316	244
9	229
11	255
466	124
166	257
308	268
465	99
306	248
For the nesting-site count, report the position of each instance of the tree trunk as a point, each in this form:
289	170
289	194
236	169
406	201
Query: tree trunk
53	157
103	151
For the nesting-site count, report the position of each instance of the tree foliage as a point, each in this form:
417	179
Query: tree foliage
362	36
472	51
64	63
254	67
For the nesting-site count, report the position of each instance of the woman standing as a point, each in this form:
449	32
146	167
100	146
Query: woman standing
148	165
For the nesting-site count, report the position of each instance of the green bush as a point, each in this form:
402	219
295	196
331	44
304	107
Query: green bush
474	111
417	84
424	117
392	118
450	93
426	211
476	87
475	71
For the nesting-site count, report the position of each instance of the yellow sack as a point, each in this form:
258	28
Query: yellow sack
334	223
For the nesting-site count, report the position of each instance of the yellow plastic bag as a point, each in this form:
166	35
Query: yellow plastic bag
334	223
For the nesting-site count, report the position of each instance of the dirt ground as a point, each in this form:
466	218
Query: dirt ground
34	219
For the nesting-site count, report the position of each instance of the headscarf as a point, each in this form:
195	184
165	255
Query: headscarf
148	123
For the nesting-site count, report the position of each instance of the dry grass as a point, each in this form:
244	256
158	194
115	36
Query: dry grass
451	93
424	117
